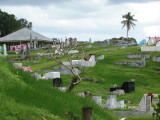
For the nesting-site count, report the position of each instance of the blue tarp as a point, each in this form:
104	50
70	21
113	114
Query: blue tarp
143	42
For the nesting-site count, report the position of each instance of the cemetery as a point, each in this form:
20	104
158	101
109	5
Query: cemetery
69	78
116	88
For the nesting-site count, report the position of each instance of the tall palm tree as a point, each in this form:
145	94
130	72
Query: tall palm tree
128	22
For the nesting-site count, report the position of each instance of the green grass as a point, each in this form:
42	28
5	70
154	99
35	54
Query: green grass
147	80
22	97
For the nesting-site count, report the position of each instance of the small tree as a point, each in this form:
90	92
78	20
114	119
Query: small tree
61	51
128	22
156	109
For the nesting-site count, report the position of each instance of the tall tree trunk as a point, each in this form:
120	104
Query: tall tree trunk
127	33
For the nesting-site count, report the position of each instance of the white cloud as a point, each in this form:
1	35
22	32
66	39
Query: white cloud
152	30
147	13
88	18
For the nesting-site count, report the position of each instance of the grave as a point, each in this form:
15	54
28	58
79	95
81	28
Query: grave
145	104
84	94
128	87
112	103
49	75
140	64
118	92
3	50
100	57
156	59
151	48
138	56
57	82
97	100
52	75
17	65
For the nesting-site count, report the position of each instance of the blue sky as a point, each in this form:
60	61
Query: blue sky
84	19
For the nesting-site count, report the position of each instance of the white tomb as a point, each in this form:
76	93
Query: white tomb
52	75
49	75
97	100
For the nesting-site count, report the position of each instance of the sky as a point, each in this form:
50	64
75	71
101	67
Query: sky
84	19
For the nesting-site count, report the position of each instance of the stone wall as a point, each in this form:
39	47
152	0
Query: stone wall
156	59
140	64
138	56
153	48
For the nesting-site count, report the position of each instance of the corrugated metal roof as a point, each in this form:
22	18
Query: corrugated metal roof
24	34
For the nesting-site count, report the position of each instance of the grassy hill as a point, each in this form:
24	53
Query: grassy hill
23	97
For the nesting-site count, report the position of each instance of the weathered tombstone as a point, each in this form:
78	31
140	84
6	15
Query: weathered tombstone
52	75
120	104
111	102
17	65
4	50
148	103
97	99
57	82
87	113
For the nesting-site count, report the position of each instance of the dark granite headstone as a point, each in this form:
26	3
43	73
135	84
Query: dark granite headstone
57	82
128	87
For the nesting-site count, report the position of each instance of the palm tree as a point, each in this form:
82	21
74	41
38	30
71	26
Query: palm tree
128	22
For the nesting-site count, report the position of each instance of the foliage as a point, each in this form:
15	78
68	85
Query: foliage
156	109
9	23
128	22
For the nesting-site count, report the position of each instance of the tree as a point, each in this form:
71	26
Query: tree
61	52
128	22
9	23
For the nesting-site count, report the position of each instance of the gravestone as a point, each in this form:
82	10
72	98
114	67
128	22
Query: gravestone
148	103
57	82
52	75
111	102
120	104
17	65
128	87
5	50
100	57
87	113
97	99
145	104
118	92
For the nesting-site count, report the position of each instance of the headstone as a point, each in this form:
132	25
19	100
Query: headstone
128	87
120	104
52	75
111	102
148	103
63	89
97	100
100	57
145	104
57	82
118	92
4	50
87	113
18	65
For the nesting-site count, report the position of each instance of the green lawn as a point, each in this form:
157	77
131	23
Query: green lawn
146	80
